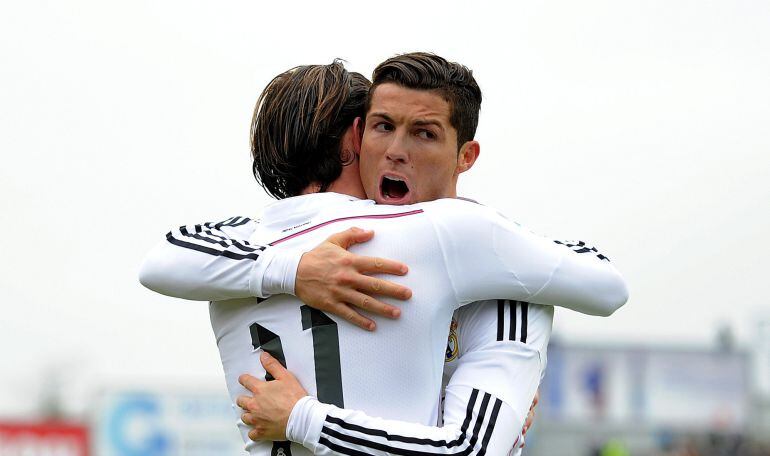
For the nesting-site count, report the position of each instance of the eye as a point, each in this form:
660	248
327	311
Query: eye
383	127
426	134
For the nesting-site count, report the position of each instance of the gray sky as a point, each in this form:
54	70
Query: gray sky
641	127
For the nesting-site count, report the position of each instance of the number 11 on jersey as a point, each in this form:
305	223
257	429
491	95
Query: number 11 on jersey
326	352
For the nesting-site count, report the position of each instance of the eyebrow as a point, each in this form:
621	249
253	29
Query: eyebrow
423	122
418	122
382	115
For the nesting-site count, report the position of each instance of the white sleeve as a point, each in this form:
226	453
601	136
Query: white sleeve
488	256
485	405
480	426
215	261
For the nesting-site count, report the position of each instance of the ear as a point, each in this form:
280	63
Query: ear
358	133
469	152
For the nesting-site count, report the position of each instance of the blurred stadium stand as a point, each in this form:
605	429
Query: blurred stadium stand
603	400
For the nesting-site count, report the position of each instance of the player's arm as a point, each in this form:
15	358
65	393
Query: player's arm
481	424
487	400
486	404
215	261
488	256
476	422
208	262
501	349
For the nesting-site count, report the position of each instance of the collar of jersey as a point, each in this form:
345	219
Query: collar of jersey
300	207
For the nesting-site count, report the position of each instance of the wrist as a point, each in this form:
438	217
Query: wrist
306	420
280	272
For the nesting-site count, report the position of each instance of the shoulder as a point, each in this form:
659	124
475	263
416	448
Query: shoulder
232	226
453	211
453	204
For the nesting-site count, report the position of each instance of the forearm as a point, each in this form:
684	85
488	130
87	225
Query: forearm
494	258
211	262
585	285
484	427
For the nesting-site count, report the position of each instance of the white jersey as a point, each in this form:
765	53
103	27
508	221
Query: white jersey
496	356
466	251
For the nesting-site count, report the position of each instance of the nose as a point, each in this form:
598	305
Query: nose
397	150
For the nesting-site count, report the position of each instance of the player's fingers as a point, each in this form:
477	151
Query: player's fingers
380	287
244	402
369	265
350	237
348	313
272	366
254	434
248	419
249	382
368	303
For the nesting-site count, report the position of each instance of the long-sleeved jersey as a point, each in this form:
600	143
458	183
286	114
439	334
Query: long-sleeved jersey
494	362
458	252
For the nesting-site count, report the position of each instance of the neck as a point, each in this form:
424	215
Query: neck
350	189
349	183
337	187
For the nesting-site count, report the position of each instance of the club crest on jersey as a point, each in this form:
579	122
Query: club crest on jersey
453	345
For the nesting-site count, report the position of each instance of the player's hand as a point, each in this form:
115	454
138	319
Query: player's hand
530	416
331	279
268	410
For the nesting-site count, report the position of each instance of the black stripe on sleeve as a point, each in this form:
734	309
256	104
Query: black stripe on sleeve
243	245
400	438
225	222
186	233
202	229
221	240
482	413
229	247
490	426
339	448
500	318
582	247
242	222
512	329
366	444
524	312
211	251
232	221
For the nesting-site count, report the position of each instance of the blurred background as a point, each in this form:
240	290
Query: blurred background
641	127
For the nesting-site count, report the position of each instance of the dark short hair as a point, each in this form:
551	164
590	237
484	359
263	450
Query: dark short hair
426	71
298	123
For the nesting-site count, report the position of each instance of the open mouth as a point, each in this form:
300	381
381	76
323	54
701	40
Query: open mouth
393	189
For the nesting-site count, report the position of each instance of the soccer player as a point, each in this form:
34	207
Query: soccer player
488	258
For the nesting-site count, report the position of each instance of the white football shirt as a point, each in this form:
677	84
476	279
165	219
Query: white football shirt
458	252
496	357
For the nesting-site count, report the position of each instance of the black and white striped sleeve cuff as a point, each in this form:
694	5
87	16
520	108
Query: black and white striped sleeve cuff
353	433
